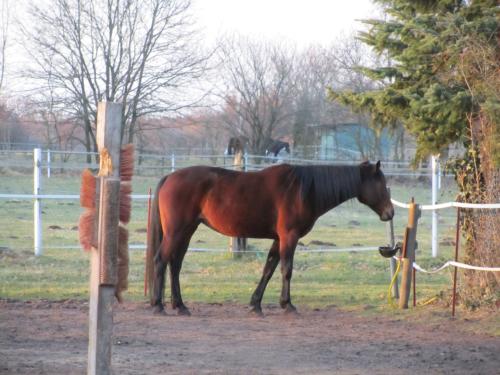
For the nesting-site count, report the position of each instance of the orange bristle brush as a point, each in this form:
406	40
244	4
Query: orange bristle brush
88	189
86	227
126	173
87	223
127	162
122	263
125	202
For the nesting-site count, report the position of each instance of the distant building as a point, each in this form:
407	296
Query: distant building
353	141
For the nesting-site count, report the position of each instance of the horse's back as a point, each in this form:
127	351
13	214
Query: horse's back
231	202
188	185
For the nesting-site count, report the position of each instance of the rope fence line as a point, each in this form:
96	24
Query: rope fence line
440	206
452	263
302	250
411	267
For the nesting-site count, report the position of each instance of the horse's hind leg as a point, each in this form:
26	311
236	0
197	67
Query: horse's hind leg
172	250
271	263
175	269
287	249
159	281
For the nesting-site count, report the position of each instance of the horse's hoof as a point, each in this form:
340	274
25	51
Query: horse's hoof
183	311
256	311
158	310
291	310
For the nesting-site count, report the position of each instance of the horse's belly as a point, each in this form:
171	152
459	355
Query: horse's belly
239	226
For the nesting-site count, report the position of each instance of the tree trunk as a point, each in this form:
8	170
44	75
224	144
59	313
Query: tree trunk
482	227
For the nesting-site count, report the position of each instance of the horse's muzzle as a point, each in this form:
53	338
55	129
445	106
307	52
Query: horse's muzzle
388	214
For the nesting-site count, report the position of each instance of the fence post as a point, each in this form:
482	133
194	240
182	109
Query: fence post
238	244
435	216
409	253
148	228
48	163
37	209
390	238
172	162
103	259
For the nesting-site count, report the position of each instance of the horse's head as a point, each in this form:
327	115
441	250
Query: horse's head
373	191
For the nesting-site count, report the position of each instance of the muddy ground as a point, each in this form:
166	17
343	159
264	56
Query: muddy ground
44	337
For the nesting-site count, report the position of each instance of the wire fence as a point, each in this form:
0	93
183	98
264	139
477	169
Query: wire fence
63	162
59	189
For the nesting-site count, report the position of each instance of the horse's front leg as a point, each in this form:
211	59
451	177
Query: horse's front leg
271	263
287	250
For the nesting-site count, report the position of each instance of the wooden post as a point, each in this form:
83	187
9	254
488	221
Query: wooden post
148	228
37	207
409	254
103	259
48	163
238	244
435	190
390	238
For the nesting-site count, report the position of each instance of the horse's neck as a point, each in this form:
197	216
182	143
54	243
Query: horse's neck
344	188
336	202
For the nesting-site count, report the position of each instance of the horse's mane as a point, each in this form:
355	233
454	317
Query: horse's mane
326	186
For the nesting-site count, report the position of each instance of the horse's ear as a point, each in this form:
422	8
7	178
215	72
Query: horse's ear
377	166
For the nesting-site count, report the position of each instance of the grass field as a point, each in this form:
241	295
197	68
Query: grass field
350	279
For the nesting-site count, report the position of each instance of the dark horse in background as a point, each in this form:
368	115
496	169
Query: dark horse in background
275	146
272	146
281	203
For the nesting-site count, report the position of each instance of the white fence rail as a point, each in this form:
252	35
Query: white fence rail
51	160
77	161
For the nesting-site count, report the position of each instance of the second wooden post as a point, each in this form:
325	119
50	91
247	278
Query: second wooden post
238	244
409	247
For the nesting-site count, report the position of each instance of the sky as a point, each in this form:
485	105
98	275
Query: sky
297	21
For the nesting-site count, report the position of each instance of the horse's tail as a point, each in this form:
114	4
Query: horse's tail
155	236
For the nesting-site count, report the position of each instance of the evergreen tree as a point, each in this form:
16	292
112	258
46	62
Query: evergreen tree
442	82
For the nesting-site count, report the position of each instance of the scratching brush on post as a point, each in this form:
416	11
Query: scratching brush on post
125	202
126	173
127	163
88	189
86	226
87	223
122	263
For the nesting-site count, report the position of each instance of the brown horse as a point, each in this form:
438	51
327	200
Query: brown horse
281	203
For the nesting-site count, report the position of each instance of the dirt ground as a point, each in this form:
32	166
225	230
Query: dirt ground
51	338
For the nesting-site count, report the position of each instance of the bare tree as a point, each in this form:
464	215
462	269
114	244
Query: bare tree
10	131
59	131
4	33
140	53
316	70
350	55
257	88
